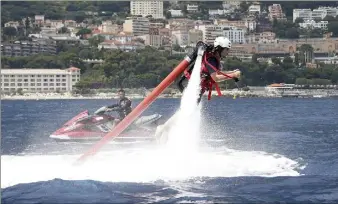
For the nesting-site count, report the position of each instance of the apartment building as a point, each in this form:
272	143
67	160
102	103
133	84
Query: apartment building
26	48
275	11
146	8
319	13
136	26
305	14
235	34
39	80
314	24
192	8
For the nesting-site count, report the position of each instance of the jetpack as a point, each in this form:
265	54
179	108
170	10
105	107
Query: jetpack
207	83
121	126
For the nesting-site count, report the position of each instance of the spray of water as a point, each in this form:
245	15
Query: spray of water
184	135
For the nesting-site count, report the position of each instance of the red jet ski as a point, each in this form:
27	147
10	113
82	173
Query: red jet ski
84	127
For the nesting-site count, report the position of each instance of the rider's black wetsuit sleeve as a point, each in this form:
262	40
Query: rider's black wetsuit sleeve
113	106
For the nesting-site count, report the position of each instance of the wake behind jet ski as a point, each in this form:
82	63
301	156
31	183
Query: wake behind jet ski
84	126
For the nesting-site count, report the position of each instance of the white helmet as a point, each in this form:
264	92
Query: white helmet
222	42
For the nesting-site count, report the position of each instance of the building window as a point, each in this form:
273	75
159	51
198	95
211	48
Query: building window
51	84
45	84
63	84
32	84
19	84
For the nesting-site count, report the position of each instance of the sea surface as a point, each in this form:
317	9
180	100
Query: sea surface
251	151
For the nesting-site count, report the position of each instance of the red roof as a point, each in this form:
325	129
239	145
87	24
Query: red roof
73	68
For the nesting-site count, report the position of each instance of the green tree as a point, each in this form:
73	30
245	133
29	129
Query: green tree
11	32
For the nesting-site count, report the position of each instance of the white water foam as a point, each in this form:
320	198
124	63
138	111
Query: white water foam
144	166
180	159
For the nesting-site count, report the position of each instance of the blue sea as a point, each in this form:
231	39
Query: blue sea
251	150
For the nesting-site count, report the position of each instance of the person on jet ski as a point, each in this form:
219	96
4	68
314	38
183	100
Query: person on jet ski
211	66
123	107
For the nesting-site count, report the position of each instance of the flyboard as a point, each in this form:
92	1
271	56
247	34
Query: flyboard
121	126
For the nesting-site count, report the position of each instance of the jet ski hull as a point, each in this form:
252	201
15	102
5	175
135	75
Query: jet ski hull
85	127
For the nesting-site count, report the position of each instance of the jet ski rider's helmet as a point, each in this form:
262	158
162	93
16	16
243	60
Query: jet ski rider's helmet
222	43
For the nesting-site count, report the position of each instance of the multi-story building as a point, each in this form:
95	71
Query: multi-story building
146	8
192	8
254	8
39	80
210	32
180	37
194	36
136	26
275	11
26	48
314	24
320	13
305	14
250	24
14	24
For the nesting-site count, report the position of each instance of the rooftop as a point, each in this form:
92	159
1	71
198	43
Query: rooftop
37	71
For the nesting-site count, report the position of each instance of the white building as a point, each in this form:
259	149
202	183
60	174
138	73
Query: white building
136	26
319	13
210	32
305	14
146	8
39	80
214	12
180	37
313	24
192	8
230	4
176	13
254	9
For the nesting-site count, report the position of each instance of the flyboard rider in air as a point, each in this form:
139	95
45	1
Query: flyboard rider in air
211	72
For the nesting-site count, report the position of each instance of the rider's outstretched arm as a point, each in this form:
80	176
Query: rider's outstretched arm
228	75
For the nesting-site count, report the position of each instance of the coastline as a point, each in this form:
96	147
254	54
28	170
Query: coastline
259	93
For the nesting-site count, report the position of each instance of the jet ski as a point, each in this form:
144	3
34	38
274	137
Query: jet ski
92	127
